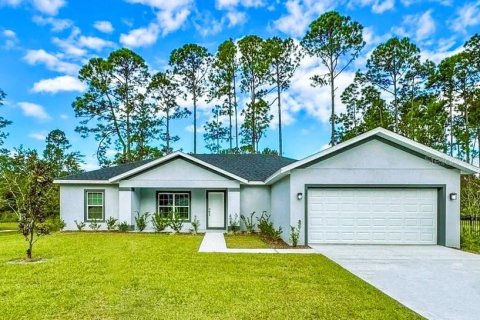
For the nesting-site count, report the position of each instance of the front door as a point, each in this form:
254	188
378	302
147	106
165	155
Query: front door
215	210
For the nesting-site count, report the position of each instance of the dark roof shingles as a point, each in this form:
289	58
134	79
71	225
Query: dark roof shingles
252	167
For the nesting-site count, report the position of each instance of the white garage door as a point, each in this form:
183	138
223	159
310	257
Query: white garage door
372	216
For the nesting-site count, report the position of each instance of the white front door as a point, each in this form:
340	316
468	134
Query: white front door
216	209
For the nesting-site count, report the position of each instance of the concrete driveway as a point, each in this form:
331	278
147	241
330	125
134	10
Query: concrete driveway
434	281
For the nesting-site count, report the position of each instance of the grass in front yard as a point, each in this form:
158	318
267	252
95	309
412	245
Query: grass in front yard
245	241
150	276
8	226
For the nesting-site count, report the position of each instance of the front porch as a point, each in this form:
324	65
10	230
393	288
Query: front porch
211	206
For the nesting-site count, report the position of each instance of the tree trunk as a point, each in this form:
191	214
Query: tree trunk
230	138
332	116
451	128
168	131
30	242
236	111
280	147
194	122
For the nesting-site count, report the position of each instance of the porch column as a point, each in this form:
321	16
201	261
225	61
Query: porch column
233	201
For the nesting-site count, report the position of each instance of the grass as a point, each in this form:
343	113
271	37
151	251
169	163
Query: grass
8	226
150	276
245	241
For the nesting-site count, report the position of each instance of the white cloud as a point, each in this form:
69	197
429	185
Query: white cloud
466	16
315	101
63	116
236	18
408	3
69	47
420	26
445	48
33	110
52	62
299	14
40	136
103	26
140	37
170	16
56	25
50	7
10	38
95	43
200	128
226	4
59	84
10	3
207	25
377	6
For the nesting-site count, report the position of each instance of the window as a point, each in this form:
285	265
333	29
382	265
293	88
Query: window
95	205
176	202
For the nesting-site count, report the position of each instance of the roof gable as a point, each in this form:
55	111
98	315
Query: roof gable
245	168
385	136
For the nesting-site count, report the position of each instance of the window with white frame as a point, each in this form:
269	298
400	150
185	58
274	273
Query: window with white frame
176	202
95	205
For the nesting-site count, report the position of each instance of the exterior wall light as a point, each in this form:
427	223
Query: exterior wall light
299	196
453	196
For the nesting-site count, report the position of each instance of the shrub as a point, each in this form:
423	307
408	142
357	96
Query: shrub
248	222
55	224
295	233
234	225
94	225
141	220
159	222
80	225
61	224
123	226
111	223
195	225
175	222
265	225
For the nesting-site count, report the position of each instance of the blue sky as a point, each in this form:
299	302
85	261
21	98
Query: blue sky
43	43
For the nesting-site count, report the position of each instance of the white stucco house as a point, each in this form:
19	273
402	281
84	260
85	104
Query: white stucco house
377	188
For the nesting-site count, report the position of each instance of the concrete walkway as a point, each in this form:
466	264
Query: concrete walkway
215	242
435	281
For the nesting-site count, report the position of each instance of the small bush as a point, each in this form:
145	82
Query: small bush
141	220
175	222
55	224
265	225
80	225
123	226
234	224
111	223
195	225
295	233
469	242
248	222
94	225
159	222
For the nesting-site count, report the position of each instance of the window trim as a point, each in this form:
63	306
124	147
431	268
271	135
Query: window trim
176	192
85	197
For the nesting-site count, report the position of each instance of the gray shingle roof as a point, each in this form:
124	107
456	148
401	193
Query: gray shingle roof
252	167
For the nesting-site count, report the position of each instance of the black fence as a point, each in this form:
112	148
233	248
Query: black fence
470	224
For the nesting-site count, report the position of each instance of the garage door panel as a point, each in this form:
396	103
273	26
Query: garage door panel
372	215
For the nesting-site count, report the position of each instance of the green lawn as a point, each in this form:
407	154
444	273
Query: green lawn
245	241
8	226
148	276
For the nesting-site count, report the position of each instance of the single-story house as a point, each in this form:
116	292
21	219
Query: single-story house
377	188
